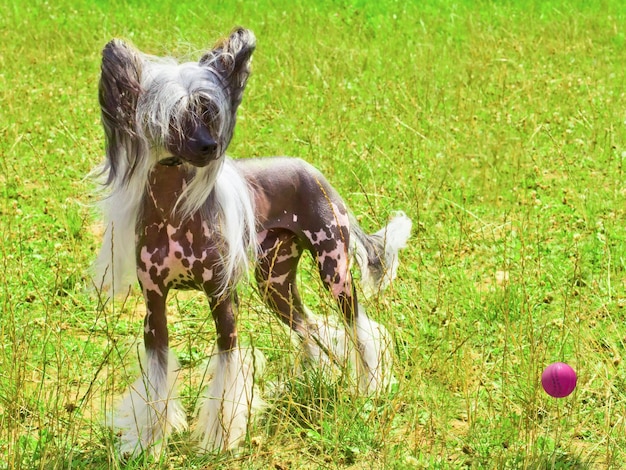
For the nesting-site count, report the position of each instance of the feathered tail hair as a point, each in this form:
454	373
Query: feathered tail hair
377	254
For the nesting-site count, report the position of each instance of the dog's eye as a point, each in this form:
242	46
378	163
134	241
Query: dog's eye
208	111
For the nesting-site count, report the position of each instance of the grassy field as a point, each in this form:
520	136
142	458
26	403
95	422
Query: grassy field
499	127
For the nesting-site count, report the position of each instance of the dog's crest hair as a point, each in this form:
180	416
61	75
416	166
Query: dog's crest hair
144	101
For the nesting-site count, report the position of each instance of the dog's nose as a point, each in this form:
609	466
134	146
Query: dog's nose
202	143
194	144
208	146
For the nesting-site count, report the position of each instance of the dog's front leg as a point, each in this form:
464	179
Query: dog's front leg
150	410
230	398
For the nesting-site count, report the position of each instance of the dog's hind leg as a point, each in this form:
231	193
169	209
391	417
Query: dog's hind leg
151	409
280	252
230	399
330	246
275	274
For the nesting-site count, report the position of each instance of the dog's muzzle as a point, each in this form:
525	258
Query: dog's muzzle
195	146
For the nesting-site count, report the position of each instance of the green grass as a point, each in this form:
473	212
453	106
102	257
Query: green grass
499	127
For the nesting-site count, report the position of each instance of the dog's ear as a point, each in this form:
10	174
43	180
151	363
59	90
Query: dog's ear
230	59
120	87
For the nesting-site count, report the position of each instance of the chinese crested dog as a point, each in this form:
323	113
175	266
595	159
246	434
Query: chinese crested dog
182	215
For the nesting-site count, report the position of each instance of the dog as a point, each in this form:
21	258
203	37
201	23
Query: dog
181	215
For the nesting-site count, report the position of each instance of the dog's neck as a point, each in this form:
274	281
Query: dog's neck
165	186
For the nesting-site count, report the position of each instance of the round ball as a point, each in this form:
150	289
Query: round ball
558	380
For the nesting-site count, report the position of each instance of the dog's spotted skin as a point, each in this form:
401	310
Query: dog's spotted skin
177	254
311	216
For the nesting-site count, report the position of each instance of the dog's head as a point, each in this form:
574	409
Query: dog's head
160	110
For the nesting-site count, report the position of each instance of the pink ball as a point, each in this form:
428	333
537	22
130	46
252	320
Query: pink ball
558	380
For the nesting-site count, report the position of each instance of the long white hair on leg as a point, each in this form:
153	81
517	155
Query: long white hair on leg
375	355
325	344
151	409
366	354
230	399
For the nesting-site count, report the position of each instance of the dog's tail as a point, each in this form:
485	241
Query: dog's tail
377	254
